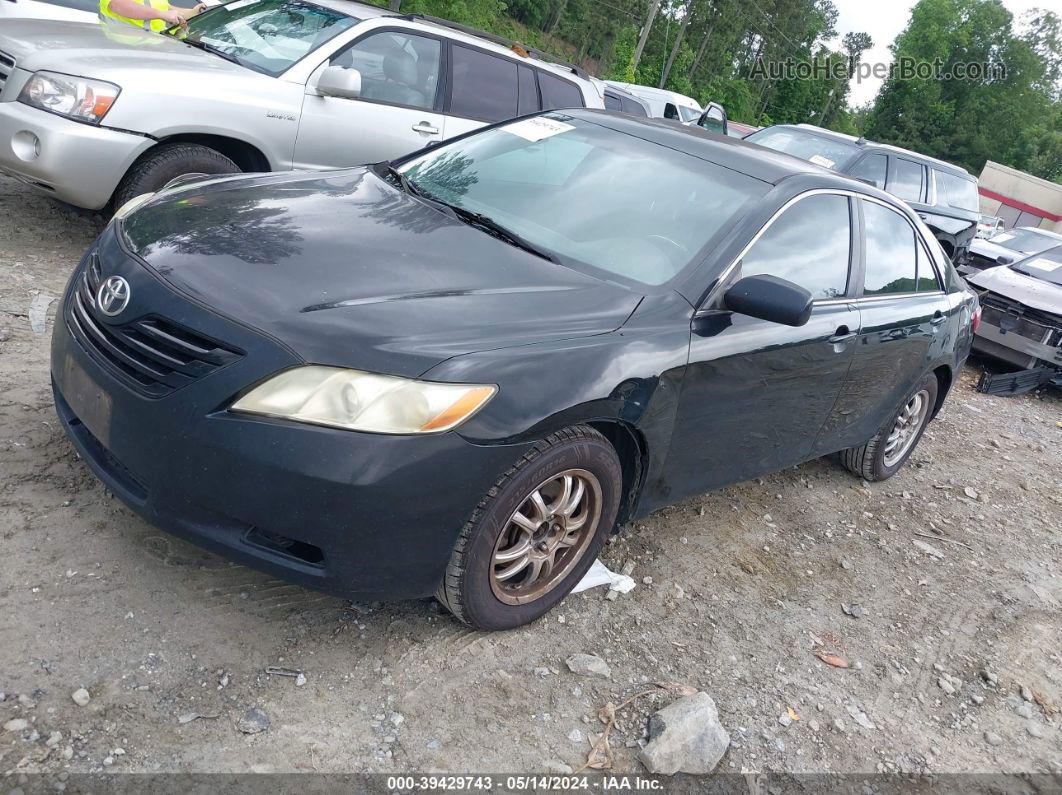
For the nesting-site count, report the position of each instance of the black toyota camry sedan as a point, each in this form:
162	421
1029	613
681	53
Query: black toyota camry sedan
458	372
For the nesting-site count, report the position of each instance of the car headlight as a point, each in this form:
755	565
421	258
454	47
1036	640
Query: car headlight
128	208
360	401
75	97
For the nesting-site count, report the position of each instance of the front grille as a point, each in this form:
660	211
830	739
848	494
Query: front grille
7	63
1012	316
151	354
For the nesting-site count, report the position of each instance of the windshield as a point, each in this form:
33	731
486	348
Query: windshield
821	151
688	114
587	194
1046	265
265	35
1027	241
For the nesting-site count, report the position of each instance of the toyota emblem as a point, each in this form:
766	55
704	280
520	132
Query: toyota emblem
113	296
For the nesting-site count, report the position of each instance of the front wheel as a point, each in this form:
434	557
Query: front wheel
166	162
882	456
536	532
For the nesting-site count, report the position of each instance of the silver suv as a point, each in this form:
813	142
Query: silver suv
95	114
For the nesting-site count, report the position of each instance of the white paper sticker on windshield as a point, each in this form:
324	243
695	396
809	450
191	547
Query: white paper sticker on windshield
1003	238
538	128
1041	264
819	160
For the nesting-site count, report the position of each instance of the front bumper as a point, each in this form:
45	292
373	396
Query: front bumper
76	163
357	515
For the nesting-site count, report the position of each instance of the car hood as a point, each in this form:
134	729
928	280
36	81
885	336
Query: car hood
110	51
990	250
1034	293
346	269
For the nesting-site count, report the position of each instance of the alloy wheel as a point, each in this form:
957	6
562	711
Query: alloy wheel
546	536
905	430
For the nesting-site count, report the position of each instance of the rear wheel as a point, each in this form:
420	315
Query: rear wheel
155	168
535	533
882	456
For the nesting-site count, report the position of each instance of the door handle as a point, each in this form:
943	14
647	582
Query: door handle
937	319
843	335
425	127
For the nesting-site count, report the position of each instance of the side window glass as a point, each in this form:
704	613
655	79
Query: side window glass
906	179
872	169
670	111
634	108
612	102
927	277
891	255
528	102
558	93
395	67
484	87
808	245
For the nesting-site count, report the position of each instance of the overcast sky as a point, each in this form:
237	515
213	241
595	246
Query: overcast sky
884	20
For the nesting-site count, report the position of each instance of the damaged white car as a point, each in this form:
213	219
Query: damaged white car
1021	321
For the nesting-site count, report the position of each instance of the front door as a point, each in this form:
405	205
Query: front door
395	114
756	394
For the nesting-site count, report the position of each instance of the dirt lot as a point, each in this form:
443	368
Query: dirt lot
951	571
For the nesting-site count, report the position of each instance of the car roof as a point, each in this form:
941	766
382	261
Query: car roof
659	93
869	145
768	165
364	11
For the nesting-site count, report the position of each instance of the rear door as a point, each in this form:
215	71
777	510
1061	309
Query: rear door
903	314
907	179
756	393
485	88
395	114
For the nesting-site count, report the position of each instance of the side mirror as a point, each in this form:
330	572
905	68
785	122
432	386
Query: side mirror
1003	259
340	81
770	298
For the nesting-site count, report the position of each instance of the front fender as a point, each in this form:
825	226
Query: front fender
631	377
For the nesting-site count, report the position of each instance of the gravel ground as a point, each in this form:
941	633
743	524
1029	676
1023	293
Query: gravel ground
940	588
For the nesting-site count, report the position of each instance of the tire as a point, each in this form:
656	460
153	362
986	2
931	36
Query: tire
489	595
875	460
155	168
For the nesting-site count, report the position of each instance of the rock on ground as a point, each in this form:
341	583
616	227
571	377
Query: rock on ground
588	665
685	737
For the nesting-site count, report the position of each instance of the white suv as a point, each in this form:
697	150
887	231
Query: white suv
254	85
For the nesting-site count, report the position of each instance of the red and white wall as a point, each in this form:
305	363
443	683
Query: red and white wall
1020	199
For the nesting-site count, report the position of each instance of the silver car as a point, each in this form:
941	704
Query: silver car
95	114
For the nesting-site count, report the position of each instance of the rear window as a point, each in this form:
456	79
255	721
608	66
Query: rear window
956	191
819	150
558	93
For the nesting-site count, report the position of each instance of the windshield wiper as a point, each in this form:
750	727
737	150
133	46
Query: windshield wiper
201	45
478	220
406	184
492	227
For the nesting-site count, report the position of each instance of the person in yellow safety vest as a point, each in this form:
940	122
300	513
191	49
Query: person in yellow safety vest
153	15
